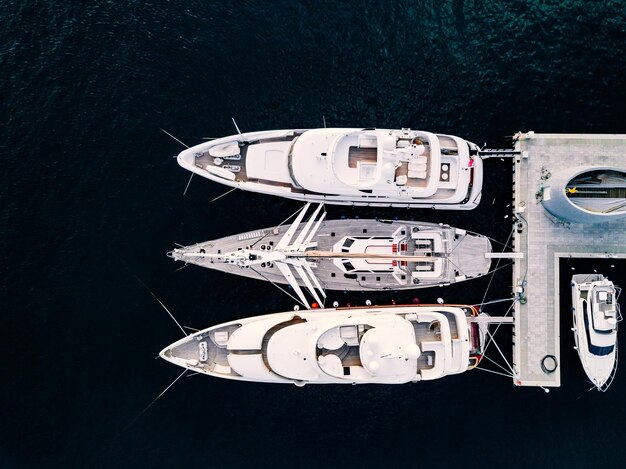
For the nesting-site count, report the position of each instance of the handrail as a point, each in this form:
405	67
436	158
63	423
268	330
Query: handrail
606	385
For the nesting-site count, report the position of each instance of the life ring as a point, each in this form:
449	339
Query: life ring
549	364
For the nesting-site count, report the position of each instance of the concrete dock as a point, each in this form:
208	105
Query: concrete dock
543	239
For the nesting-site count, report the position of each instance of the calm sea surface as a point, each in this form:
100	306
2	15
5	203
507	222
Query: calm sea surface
90	197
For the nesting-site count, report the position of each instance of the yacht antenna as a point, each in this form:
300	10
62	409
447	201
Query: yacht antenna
161	303
165	390
237	127
181	268
186	146
225	193
155	399
188	182
169	134
324	119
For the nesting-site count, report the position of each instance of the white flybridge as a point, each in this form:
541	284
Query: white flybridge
322	254
392	345
374	167
596	314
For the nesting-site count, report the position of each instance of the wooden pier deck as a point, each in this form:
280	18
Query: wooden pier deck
543	240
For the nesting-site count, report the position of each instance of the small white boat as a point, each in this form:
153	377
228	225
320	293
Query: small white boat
596	315
586	194
347	166
392	344
601	191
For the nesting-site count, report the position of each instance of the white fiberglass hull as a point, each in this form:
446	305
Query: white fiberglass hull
265	162
390	345
597	352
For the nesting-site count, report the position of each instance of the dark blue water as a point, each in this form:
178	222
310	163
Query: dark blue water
90	196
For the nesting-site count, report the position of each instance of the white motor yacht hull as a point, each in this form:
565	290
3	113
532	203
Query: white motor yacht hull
362	167
391	345
595	327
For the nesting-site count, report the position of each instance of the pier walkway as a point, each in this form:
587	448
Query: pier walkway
543	240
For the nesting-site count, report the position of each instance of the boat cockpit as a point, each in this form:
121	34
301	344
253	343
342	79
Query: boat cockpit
383	161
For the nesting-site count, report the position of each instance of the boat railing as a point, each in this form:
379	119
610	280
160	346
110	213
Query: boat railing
606	385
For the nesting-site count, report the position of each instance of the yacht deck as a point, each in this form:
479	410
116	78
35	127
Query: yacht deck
206	160
467	253
358	156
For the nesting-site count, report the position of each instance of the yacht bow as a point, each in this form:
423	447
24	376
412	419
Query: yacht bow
289	255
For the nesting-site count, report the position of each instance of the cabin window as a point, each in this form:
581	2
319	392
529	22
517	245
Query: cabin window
348	265
601	351
594	349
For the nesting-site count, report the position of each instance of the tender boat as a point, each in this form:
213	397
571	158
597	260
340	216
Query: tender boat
585	194
357	254
601	191
394	344
596	314
346	166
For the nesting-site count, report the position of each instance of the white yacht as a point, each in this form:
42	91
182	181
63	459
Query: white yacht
319	255
373	167
599	190
586	194
393	345
596	314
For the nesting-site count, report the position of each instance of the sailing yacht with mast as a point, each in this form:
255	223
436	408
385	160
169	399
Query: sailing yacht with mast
321	254
346	166
391	345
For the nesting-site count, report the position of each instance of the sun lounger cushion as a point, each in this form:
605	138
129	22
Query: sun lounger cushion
417	174
417	166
